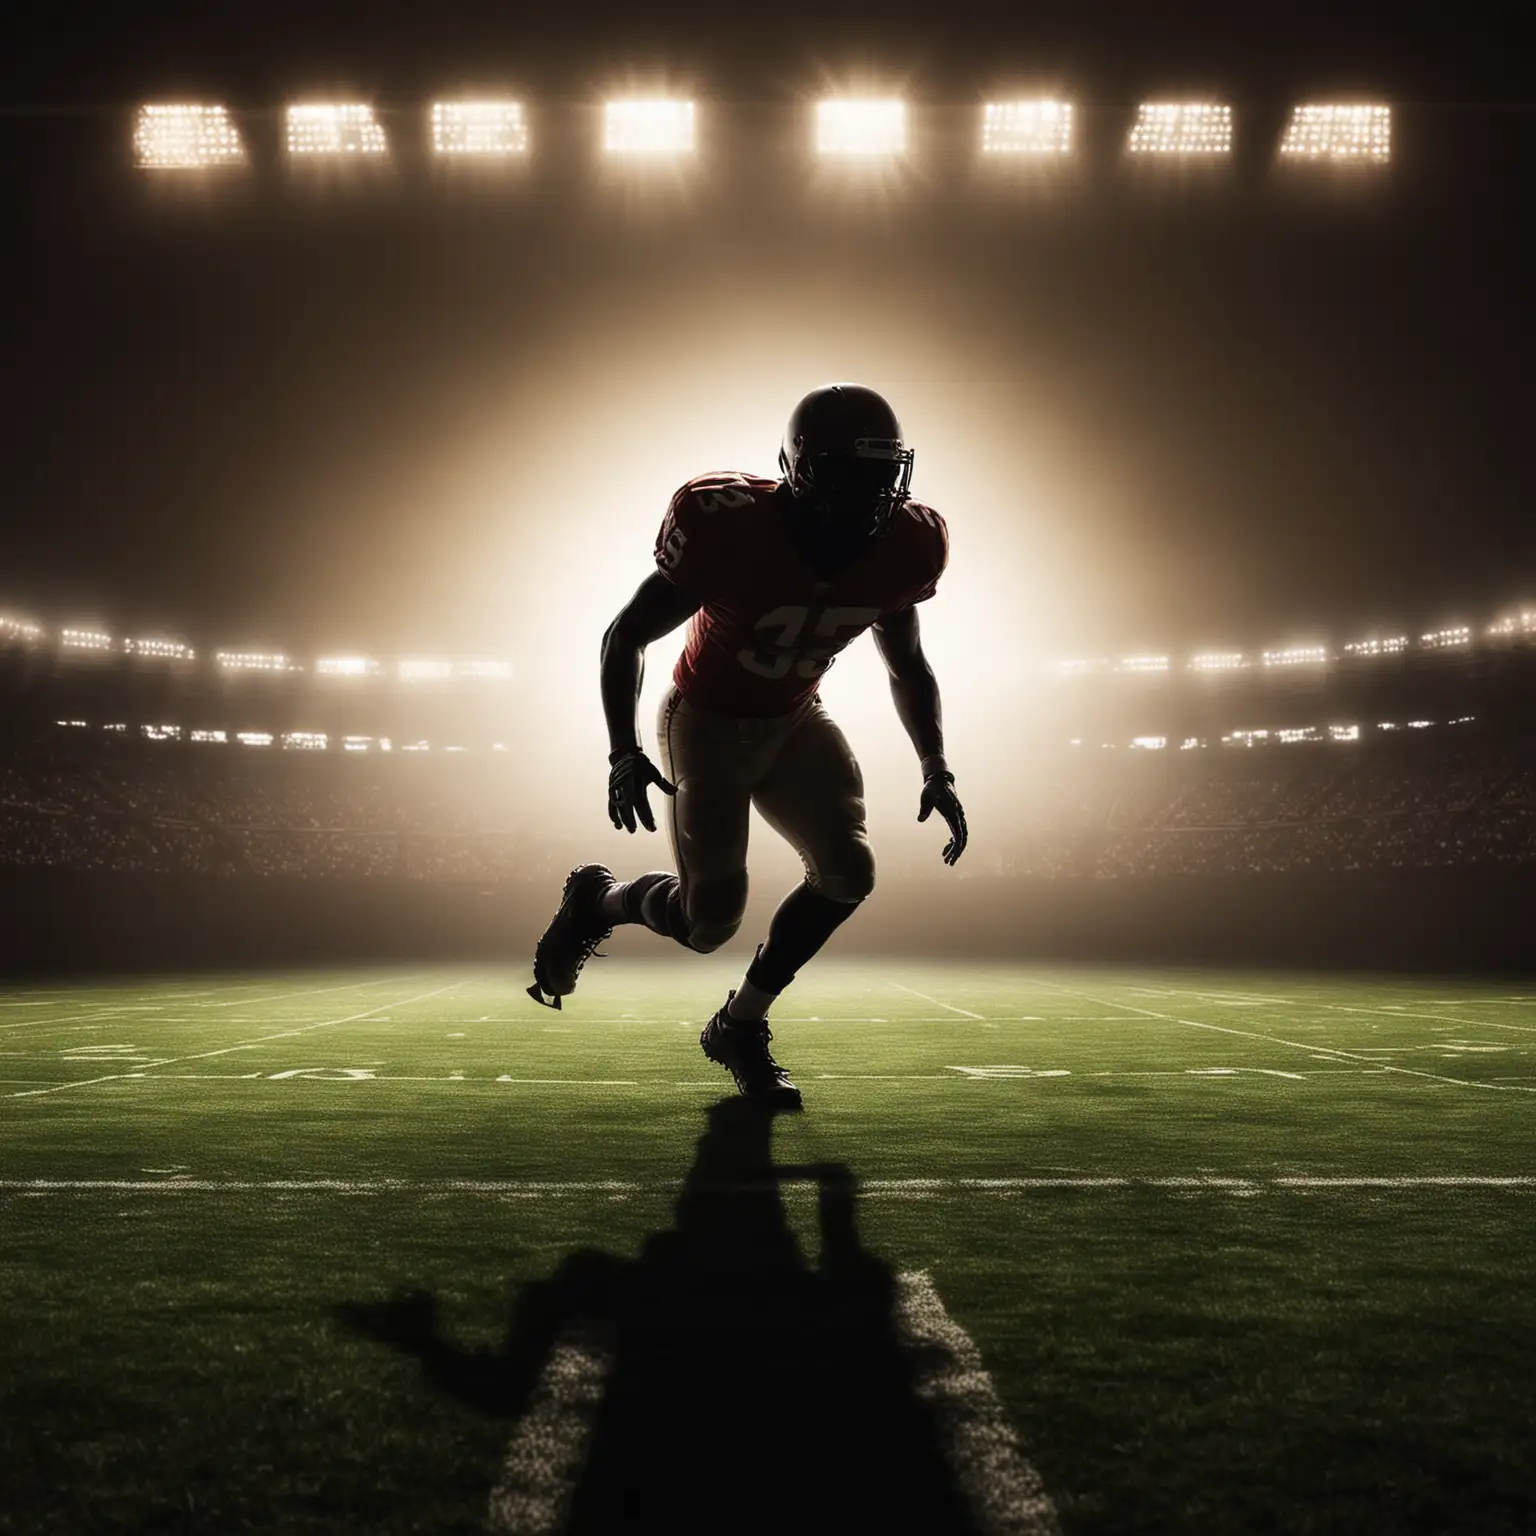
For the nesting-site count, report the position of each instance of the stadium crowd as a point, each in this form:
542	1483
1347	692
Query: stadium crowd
1461	799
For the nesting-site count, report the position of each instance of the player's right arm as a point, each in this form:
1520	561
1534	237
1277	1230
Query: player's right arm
656	609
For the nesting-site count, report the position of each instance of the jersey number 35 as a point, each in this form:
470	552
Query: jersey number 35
803	638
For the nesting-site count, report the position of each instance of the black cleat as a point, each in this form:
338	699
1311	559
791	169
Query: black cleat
573	935
742	1049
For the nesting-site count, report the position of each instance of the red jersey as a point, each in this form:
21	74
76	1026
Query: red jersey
770	623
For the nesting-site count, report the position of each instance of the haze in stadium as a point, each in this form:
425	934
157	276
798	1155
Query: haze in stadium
1165	1160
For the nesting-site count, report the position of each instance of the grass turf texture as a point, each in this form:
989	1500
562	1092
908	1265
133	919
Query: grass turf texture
213	1189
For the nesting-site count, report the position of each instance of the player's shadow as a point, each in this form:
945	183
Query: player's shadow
747	1390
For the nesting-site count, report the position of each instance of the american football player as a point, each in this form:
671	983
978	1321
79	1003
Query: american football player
774	578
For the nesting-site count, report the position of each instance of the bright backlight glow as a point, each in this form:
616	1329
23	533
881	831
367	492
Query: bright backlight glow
481	129
185	137
1182	128
344	129
346	666
1026	128
425	670
648	127
848	126
1342	134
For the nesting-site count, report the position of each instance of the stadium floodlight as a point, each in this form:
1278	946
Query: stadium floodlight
424	670
344	129
161	732
1244	738
185	137
1344	733
648	127
305	741
1520	623
153	649
219	737
84	640
1217	661
416	746
253	661
1289	735
1359	134
861	127
479	130
346	666
19	631
1447	639
1297	656
117	727
1196	129
495	671
356	743
1038	129
1142	664
1391	646
1149	743
1078	666
254	738
74	725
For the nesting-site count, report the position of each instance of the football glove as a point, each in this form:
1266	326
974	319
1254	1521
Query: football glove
630	776
939	795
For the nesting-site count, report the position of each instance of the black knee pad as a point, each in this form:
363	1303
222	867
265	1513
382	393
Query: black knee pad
710	915
851	881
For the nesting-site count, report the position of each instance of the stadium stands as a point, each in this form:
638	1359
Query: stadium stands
1455	797
158	807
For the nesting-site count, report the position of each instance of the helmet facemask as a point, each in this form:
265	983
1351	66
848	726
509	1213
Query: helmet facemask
853	496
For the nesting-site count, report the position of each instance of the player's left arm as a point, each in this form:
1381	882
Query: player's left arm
915	692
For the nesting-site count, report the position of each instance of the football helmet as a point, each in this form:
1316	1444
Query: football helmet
844	459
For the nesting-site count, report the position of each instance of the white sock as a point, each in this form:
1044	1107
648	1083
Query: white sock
750	1005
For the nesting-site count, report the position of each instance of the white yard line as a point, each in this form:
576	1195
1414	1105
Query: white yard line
1003	1489
1441	1018
84	1020
277	997
549	1444
239	1045
1246	999
1317	1051
937	1002
555	1189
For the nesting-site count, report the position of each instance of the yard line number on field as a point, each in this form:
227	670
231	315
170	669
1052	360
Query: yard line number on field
1317	1051
241	1045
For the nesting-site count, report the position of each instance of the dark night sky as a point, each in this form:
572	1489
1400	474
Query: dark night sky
1194	412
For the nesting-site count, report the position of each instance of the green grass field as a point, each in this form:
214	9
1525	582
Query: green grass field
1240	1252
